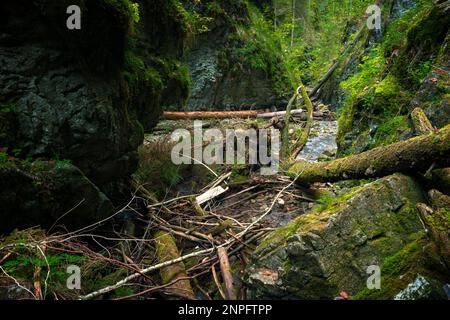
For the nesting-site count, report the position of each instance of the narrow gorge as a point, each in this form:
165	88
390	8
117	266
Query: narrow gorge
225	150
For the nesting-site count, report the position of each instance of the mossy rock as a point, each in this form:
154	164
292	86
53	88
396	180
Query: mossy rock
329	249
418	264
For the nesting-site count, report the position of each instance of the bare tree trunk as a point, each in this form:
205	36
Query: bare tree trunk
285	134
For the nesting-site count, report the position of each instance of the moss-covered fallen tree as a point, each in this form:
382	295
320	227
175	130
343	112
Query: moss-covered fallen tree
166	250
412	155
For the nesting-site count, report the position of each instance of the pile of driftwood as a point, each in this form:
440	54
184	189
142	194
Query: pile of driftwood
186	245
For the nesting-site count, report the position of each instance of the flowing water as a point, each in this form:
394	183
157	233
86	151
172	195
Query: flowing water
322	139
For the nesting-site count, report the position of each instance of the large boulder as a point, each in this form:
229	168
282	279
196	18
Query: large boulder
330	249
47	194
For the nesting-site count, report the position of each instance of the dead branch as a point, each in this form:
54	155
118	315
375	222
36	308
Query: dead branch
230	293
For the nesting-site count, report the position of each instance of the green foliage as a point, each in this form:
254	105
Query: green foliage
31	262
26	256
135	12
3	157
390	131
199	23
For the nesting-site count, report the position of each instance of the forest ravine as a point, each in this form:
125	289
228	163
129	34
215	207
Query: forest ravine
347	197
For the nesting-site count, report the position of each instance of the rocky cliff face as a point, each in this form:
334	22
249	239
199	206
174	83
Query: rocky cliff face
83	95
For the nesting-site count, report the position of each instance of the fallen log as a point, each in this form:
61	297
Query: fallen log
209	114
167	250
299	113
412	155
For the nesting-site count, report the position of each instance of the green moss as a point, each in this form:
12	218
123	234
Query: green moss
279	236
330	203
398	270
254	46
7	107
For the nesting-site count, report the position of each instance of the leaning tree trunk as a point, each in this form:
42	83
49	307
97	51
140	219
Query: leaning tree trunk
336	64
412	155
304	133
